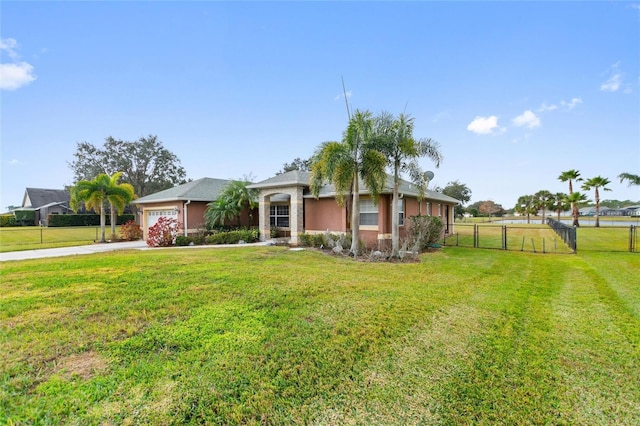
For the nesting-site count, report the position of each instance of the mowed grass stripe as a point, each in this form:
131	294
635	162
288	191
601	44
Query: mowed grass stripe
603	384
266	335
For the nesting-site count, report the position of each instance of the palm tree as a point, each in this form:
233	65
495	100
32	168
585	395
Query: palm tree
571	175
560	203
543	200
394	137
236	192
220	211
345	163
596	183
525	205
95	193
633	179
118	199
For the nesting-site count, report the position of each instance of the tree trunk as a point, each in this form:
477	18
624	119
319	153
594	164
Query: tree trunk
395	226
597	208
355	218
114	219
103	223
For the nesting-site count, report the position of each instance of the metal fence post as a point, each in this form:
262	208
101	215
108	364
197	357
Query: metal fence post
631	238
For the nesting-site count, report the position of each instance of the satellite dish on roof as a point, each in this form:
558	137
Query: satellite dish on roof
428	175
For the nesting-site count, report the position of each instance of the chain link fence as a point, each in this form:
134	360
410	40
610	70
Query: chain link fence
554	237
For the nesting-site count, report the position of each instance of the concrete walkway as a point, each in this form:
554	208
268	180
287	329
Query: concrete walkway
100	248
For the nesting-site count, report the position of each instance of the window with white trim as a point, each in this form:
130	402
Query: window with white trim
279	216
401	211
428	208
439	209
368	212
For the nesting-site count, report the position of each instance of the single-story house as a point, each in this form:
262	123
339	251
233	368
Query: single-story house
45	202
286	202
186	203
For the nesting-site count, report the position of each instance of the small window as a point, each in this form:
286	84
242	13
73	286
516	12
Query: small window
279	216
401	211
368	213
439	209
428	208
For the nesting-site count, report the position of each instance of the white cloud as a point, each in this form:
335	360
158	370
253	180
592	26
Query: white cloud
527	119
16	74
544	107
342	96
614	82
15	162
483	125
572	103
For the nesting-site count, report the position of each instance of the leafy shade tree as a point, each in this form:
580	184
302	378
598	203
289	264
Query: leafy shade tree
345	163
526	206
394	137
297	164
490	208
235	198
460	192
634	180
596	183
119	199
146	163
571	176
560	203
543	201
95	194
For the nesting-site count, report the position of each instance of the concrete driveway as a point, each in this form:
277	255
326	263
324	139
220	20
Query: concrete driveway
100	248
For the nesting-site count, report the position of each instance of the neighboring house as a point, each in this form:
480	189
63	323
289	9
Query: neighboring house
45	202
286	202
186	203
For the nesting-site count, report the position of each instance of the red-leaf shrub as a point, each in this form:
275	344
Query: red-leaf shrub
130	231
163	233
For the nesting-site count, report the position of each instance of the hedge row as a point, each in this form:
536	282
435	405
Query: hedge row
7	220
64	220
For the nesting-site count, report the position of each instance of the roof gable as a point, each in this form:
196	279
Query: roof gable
38	197
204	189
291	178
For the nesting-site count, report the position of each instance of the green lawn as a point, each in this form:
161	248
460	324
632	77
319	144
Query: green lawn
271	336
32	237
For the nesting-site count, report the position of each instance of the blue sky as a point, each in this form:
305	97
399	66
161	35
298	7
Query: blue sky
515	92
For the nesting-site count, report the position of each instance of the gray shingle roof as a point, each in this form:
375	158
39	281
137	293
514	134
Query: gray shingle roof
292	178
298	178
405	187
38	197
204	189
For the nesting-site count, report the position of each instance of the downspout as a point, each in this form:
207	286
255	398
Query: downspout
185	211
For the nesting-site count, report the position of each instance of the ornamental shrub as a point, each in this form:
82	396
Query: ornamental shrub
7	220
130	231
182	240
424	231
233	237
163	233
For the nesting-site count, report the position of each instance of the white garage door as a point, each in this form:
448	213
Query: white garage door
154	215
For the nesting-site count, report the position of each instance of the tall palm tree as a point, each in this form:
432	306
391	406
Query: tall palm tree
596	183
633	179
543	200
118	198
571	175
95	193
345	163
394	137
